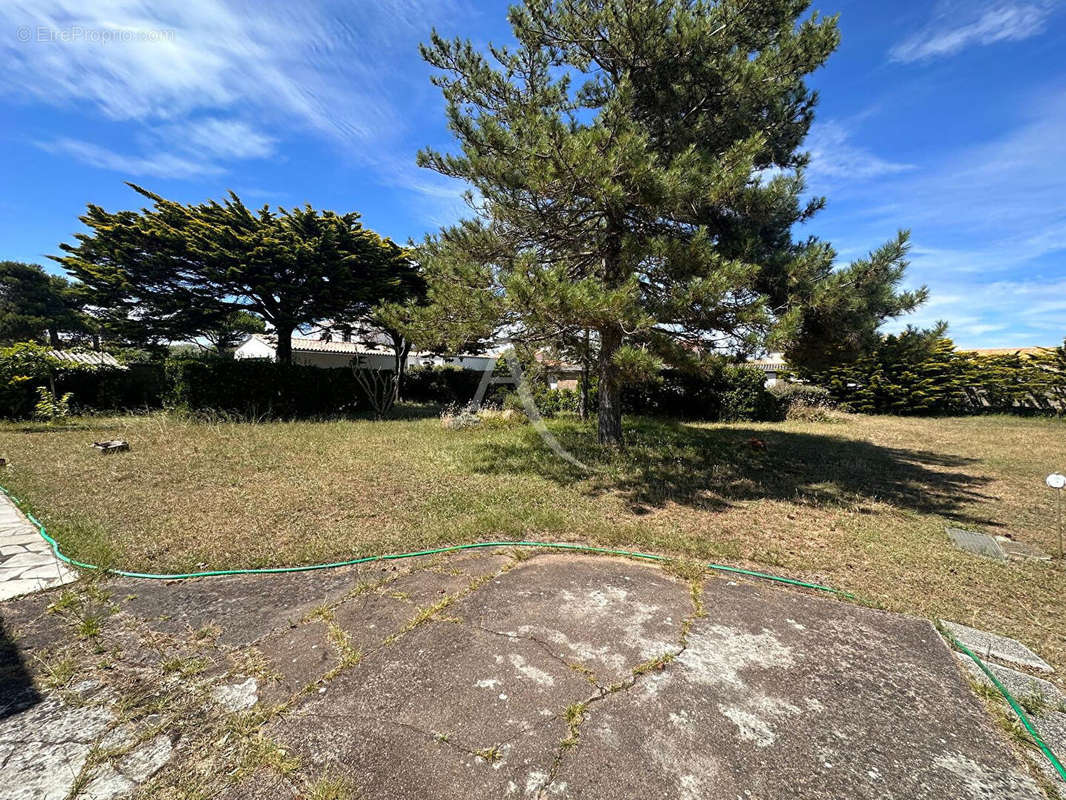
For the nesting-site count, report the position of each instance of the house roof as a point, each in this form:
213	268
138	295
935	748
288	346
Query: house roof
306	345
1004	351
774	362
87	357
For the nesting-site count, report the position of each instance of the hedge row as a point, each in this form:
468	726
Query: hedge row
729	394
259	389
915	374
249	389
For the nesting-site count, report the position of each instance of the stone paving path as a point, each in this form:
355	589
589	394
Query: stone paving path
27	563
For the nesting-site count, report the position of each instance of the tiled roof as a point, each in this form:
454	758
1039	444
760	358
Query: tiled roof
362	347
87	357
767	364
302	345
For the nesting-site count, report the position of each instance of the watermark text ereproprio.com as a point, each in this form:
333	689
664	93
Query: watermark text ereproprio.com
47	34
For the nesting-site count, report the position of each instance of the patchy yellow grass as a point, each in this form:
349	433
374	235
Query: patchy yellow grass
860	505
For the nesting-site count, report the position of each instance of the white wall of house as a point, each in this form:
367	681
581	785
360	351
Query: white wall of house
255	348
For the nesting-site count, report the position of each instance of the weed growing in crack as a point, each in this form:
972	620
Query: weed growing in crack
490	754
421	617
59	672
574	716
185	667
684	568
67	602
656	664
1035	703
323	612
211	632
520	554
90	626
349	655
261	751
986	691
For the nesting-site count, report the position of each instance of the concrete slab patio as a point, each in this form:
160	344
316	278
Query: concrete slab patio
493	675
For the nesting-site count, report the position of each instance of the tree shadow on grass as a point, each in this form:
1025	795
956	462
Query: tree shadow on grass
711	469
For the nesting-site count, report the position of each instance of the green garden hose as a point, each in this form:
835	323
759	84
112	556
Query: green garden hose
1040	743
393	556
551	545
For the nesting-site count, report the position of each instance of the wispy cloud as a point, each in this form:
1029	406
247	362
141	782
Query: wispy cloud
161	165
958	25
1006	313
988	226
216	79
835	155
219	138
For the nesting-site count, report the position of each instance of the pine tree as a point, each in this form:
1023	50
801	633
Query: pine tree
636	170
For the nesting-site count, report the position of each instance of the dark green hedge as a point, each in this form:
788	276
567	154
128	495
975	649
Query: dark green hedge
444	385
727	394
264	389
254	389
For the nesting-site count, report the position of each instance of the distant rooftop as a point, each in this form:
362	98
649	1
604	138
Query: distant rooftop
87	357
1003	351
302	344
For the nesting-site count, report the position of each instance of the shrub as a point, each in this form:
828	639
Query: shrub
448	385
725	393
549	402
50	408
27	367
804	402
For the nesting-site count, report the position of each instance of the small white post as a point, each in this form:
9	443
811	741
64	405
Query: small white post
1057	481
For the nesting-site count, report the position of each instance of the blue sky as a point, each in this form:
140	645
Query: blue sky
945	117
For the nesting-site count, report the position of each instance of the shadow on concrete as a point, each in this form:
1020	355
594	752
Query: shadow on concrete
17	692
713	468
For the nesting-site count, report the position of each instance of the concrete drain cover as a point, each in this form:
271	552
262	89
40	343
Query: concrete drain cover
991	645
978	543
1021	550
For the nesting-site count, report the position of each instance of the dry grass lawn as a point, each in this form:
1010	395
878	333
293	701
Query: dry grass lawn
860	505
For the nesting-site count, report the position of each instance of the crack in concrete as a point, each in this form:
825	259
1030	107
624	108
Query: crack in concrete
637	672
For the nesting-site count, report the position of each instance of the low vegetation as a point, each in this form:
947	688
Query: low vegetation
858	503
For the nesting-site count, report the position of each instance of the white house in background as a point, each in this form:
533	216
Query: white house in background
326	354
773	365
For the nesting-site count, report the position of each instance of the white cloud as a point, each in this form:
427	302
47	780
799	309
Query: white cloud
217	79
835	155
999	314
219	138
988	226
958	25
161	165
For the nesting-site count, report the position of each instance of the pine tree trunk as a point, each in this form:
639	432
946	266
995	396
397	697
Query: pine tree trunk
284	334
610	416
